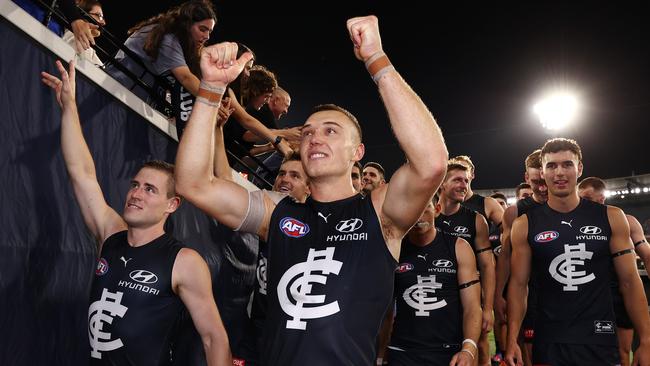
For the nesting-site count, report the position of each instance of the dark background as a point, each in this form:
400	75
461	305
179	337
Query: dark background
479	69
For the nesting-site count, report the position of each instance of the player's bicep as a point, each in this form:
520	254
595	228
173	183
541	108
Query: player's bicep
193	285
407	196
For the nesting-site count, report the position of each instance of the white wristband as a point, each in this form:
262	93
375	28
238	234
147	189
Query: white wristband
467	340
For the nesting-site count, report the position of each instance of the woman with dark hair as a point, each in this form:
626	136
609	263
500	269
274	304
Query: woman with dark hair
169	44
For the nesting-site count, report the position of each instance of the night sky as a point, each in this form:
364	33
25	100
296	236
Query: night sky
479	69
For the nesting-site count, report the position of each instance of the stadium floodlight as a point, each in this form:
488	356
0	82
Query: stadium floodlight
557	110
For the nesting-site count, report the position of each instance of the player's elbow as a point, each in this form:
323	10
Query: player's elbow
188	186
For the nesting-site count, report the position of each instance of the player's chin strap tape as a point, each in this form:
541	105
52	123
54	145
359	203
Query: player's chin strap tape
468	284
640	242
483	250
622	252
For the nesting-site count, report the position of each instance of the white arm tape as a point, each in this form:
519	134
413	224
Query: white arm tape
256	210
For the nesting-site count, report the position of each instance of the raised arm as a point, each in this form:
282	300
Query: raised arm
99	217
221	167
191	281
517	288
413	185
470	298
629	281
251	124
487	268
224	200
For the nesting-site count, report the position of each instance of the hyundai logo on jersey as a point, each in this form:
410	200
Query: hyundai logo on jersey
293	228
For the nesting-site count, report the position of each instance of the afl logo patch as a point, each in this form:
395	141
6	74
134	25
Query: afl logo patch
546	236
102	267
293	228
403	267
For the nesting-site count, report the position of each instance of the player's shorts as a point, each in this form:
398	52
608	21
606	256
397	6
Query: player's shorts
440	357
565	354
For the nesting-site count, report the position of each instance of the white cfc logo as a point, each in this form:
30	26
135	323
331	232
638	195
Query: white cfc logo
110	302
417	296
261	275
300	289
563	267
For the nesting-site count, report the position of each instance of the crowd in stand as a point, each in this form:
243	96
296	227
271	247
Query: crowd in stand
352	268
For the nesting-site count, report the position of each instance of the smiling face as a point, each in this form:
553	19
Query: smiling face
454	188
538	186
560	172
372	178
329	145
200	31
292	180
147	202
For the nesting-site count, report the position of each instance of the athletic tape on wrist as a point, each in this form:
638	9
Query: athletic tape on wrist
210	95
378	65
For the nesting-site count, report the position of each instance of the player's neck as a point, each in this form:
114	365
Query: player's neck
538	199
139	236
564	204
448	207
329	189
422	239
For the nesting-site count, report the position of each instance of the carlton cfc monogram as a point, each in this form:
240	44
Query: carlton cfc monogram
296	282
417	296
563	267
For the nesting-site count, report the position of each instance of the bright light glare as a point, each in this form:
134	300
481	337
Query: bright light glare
512	200
556	111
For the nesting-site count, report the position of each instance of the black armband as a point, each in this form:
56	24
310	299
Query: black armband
639	242
468	284
623	252
483	250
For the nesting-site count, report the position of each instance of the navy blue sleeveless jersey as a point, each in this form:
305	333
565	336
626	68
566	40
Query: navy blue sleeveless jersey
330	282
133	310
477	203
523	205
429	311
461	224
572	265
251	344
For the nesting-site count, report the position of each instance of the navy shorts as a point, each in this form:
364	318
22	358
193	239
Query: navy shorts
565	354
419	358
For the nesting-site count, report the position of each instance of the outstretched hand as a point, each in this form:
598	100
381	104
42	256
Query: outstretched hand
219	65
225	110
65	87
84	34
364	33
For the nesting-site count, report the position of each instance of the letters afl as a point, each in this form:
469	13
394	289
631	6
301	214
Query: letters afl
546	236
293	228
102	267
